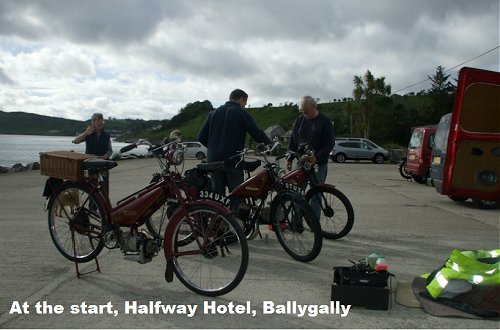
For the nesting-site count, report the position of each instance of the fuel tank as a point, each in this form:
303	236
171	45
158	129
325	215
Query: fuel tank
257	186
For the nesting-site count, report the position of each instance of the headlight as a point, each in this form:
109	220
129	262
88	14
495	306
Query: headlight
279	172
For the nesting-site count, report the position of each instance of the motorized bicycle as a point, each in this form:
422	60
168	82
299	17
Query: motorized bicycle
266	198
82	221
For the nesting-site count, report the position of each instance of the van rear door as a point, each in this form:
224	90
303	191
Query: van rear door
472	167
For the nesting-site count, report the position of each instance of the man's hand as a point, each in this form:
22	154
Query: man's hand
80	138
289	166
90	129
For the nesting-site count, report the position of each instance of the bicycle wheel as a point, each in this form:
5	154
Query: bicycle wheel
216	260
336	213
298	231
76	222
403	172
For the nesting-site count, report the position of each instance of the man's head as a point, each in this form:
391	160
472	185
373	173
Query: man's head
239	97
98	121
307	105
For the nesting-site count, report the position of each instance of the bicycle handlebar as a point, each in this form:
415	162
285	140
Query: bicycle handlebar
128	148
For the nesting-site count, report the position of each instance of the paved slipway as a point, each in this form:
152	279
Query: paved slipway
412	225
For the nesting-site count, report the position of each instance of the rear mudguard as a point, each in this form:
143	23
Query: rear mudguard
311	190
52	185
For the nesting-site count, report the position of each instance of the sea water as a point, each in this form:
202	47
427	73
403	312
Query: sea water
25	149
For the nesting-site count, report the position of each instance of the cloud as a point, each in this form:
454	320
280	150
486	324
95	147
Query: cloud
4	79
136	59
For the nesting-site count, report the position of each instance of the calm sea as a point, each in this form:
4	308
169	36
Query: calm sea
26	149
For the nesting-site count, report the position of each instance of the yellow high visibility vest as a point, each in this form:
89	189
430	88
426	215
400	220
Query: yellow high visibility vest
463	265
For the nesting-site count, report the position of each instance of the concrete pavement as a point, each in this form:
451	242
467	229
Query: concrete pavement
413	226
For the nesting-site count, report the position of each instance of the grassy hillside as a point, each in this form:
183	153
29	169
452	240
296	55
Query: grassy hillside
391	123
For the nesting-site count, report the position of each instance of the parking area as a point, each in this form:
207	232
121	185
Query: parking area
410	223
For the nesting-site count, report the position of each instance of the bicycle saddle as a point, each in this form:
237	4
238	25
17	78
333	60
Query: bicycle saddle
97	164
251	166
210	167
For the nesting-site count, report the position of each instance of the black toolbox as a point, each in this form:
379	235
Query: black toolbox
360	285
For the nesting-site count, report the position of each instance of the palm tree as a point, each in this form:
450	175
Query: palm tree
367	90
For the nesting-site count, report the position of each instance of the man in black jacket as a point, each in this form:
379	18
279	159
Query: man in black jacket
224	133
316	130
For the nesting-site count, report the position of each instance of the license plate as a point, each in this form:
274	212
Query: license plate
411	157
436	160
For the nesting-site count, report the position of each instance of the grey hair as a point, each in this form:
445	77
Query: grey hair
97	116
307	101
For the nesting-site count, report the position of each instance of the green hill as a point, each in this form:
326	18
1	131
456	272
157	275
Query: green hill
391	122
34	124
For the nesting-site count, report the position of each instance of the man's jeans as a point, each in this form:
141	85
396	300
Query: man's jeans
229	177
316	200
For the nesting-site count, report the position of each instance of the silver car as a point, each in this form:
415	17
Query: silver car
358	149
194	150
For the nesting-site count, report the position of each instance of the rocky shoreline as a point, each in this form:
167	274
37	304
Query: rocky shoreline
18	167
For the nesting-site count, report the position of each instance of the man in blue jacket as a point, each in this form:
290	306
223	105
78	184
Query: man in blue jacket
224	133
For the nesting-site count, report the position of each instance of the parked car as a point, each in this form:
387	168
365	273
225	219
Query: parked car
367	141
194	150
357	149
465	158
418	159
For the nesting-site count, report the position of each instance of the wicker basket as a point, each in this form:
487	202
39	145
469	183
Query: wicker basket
66	165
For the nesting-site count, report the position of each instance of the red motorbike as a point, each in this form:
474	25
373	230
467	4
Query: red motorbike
202	242
267	198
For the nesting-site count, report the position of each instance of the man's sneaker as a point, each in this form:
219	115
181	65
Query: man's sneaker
298	227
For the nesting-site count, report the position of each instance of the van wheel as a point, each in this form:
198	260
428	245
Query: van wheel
419	179
340	158
488	205
200	155
378	159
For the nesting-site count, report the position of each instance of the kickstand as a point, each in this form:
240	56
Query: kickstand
78	274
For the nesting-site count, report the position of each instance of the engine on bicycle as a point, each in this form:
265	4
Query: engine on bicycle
138	246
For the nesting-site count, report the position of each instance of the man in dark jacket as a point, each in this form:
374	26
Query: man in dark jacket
97	140
224	133
316	130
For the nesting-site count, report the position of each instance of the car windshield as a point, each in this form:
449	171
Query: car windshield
441	138
416	140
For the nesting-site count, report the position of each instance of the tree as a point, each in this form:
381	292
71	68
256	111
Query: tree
368	91
441	93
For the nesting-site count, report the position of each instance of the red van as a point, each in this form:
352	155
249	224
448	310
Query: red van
418	154
467	162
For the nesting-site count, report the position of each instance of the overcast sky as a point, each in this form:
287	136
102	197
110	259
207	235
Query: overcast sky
148	59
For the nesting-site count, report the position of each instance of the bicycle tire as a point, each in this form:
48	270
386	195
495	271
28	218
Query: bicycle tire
296	228
403	172
76	220
216	260
337	216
